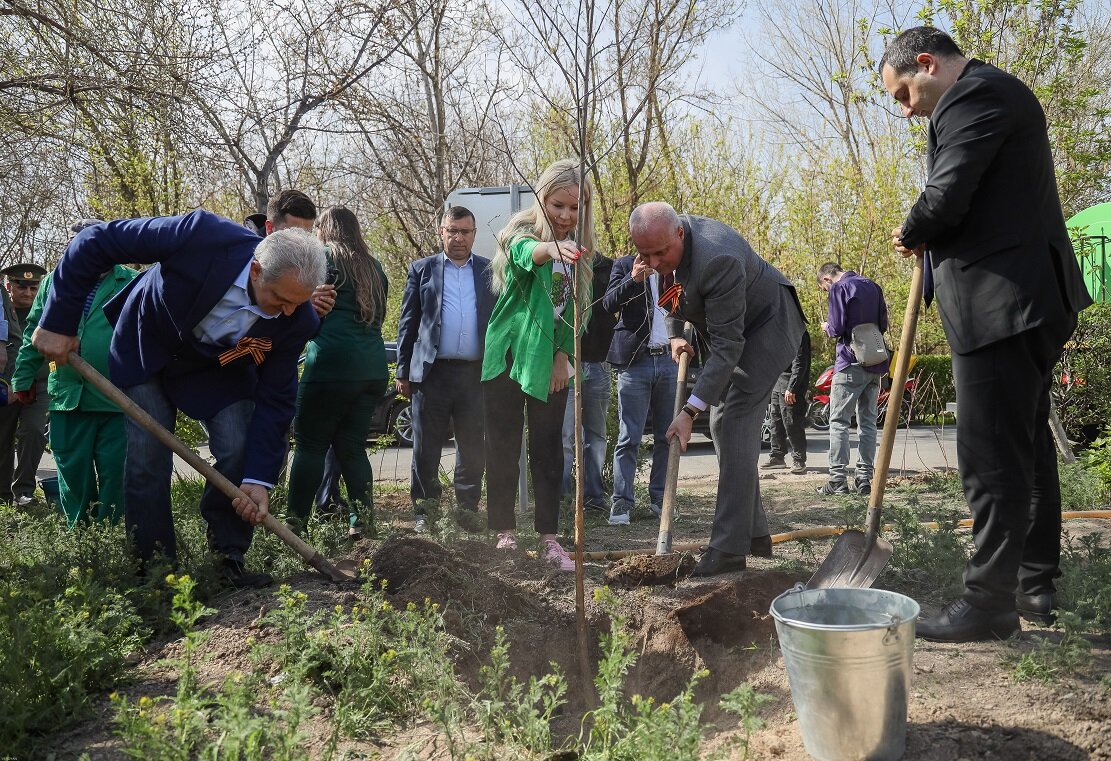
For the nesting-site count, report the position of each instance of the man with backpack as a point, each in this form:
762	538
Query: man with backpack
857	318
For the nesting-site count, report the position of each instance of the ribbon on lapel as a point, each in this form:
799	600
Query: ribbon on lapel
256	347
669	299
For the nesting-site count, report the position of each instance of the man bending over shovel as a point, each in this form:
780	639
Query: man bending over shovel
750	317
213	329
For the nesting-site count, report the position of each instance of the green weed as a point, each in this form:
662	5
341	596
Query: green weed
1085	584
375	662
1082	487
926	559
638	727
745	702
222	724
1054	658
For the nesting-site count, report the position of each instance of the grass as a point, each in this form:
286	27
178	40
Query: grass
74	612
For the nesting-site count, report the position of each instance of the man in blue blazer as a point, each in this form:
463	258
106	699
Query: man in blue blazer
1008	287
213	329
440	337
646	378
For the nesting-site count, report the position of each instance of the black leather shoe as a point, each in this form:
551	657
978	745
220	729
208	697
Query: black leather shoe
961	621
240	578
831	489
712	562
761	546
1038	608
864	488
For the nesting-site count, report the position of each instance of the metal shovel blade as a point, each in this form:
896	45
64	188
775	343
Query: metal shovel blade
853	562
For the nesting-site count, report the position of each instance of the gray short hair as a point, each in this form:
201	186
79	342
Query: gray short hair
292	250
653	214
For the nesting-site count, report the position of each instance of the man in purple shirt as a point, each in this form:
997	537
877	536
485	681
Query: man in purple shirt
853	301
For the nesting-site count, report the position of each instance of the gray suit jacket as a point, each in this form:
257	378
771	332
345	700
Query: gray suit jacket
418	330
745	311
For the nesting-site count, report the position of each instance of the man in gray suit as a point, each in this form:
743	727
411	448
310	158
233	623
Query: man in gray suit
749	317
444	314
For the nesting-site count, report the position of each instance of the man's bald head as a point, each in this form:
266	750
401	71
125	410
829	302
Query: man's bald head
657	235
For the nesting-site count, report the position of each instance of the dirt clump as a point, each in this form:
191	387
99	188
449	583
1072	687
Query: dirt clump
649	570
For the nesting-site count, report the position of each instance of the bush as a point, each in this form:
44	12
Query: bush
935	385
1083	387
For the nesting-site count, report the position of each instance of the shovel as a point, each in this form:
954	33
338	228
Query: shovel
857	558
345	570
663	542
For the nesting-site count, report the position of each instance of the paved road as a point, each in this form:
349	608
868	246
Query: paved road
917	449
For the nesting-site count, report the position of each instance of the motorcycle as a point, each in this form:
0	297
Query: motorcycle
817	413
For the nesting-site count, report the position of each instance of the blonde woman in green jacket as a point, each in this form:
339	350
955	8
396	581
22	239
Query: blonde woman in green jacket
88	437
529	350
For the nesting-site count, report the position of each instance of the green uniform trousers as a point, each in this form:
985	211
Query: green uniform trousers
89	446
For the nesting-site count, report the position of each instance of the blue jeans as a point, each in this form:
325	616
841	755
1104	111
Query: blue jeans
149	467
646	385
854	390
596	403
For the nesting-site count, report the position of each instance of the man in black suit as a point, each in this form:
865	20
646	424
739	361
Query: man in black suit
1008	287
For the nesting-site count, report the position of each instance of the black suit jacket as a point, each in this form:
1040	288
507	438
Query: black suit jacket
632	302
991	216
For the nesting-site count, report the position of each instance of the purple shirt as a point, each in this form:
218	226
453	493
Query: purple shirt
854	300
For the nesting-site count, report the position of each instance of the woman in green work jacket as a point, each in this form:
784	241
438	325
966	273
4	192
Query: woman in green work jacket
530	347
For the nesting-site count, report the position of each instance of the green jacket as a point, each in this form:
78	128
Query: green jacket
523	322
68	391
346	348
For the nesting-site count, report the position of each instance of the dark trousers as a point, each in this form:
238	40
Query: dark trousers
1008	465
333	414
506	405
451	393
149	468
788	426
22	442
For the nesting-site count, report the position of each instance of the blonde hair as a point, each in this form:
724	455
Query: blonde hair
533	223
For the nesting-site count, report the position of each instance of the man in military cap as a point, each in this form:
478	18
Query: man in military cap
23	420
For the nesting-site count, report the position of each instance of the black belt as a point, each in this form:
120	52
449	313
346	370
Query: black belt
656	351
458	361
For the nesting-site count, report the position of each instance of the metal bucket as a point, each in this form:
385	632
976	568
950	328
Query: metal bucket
848	654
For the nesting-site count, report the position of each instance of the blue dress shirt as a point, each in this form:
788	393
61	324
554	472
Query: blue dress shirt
459	313
233	315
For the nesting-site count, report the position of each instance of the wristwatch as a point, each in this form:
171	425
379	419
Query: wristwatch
691	410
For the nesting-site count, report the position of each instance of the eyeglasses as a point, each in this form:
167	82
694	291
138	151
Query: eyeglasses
455	232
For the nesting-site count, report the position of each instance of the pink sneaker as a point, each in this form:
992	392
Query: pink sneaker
556	555
507	540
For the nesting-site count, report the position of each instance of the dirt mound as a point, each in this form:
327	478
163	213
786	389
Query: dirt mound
464	580
734	612
649	570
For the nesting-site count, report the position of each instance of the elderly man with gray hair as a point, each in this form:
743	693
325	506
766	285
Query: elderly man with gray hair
213	329
749	318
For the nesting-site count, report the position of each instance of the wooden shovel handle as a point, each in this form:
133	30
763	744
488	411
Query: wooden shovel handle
895	398
199	464
674	452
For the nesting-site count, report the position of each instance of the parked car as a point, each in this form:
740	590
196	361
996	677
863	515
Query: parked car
393	415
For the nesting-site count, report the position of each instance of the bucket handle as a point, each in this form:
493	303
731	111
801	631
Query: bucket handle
892	635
